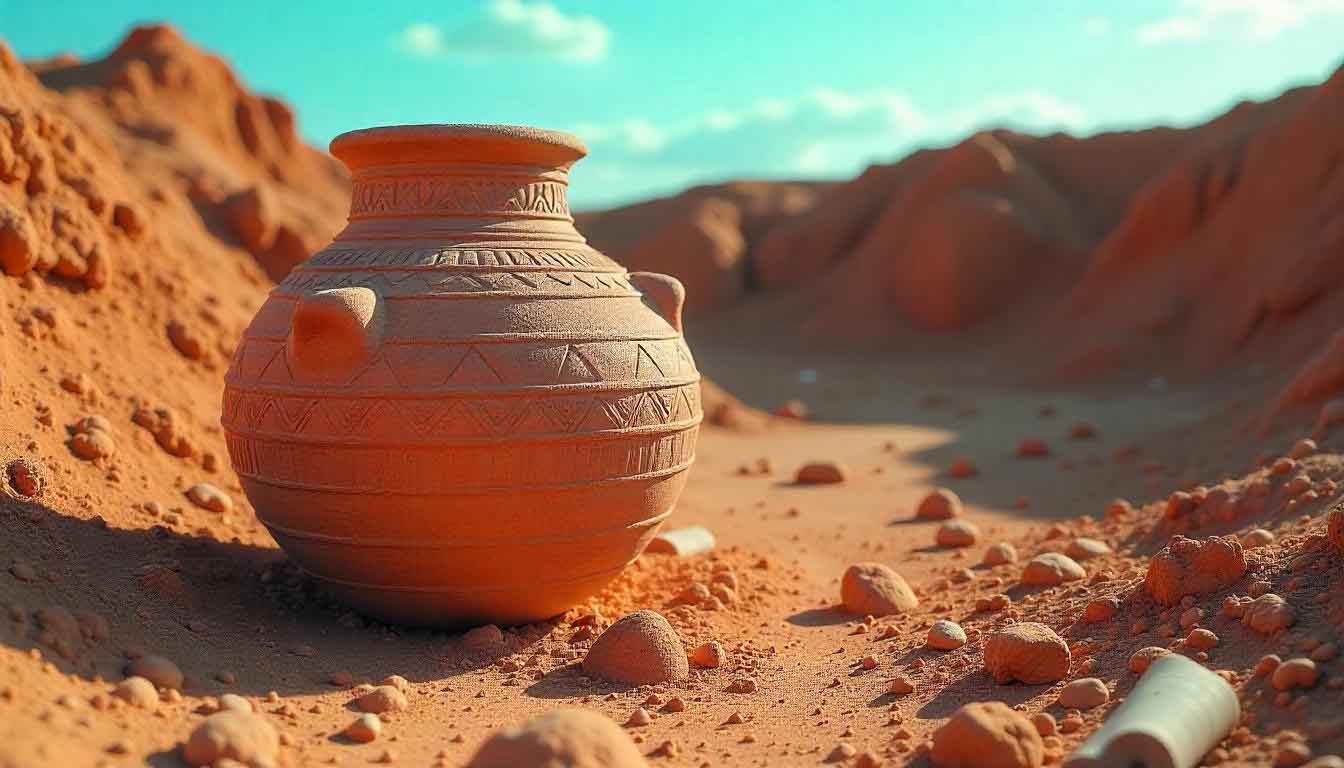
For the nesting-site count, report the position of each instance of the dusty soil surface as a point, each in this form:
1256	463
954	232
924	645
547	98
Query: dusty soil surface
110	369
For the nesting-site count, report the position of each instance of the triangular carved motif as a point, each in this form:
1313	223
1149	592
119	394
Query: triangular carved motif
277	370
474	370
575	368
645	366
295	412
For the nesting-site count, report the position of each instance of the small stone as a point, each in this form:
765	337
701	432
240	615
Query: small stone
957	533
1141	659
480	639
383	698
821	473
939	504
230	735
1268	614
946	635
563	737
1028	652
987	735
185	340
640	717
92	445
741	685
1051	569
1295	673
1045	723
207	496
1101	610
157	670
364	729
1085	693
873	589
1086	549
1000	554
138	692
1201	639
708	655
900	686
1193	567
28	477
641	648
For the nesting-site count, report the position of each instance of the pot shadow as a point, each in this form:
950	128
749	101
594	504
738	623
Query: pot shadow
210	606
822	617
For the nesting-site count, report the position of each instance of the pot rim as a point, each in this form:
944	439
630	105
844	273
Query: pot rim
457	142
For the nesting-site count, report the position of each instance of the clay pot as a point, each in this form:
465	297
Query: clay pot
459	412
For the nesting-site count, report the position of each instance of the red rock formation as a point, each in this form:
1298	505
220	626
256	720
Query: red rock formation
186	113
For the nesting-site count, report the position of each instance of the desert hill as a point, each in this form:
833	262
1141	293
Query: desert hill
149	200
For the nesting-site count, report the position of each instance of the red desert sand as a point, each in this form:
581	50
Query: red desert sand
1153	316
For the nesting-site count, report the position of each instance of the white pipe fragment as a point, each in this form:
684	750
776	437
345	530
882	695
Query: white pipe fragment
682	542
1176	713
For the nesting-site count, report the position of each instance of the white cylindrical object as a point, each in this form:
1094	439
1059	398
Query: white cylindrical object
1176	713
682	542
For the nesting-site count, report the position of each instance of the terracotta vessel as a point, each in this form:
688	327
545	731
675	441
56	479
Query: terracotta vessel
459	412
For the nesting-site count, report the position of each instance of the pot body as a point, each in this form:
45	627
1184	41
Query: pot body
459	412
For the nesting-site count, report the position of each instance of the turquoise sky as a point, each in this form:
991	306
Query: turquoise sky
669	94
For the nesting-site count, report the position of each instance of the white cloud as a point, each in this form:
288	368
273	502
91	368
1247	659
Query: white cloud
1096	26
513	27
1252	20
823	132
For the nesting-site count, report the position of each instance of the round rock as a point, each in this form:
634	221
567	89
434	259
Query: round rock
1027	652
987	735
239	736
939	504
1000	554
821	473
957	533
207	496
946	635
565	738
1085	549
364	729
1085	693
641	648
138	692
874	589
383	698
1050	569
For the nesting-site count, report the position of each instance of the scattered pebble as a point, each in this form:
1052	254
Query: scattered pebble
957	533
1027	652
641	648
708	655
1086	549
138	692
207	496
821	473
239	736
1002	553
1050	569
563	737
946	635
364	729
939	504
383	698
874	589
1085	693
987	735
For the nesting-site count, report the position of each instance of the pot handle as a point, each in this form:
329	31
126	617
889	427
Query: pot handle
665	292
334	333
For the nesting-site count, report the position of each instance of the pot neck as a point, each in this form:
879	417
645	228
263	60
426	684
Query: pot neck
459	179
